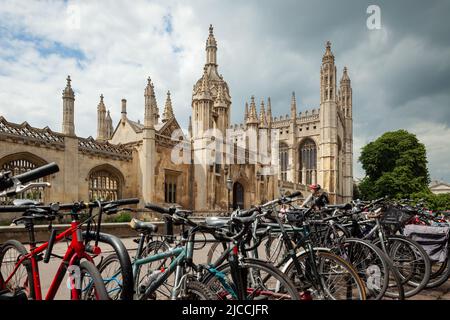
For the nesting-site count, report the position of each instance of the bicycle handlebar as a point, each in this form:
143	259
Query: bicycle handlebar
157	208
6	181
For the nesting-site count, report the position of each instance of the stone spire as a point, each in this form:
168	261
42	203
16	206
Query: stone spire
68	125
345	94
328	76
190	127
211	48
293	106
151	107
246	112
328	56
101	120
269	111
345	78
149	96
262	116
252	117
168	111
109	126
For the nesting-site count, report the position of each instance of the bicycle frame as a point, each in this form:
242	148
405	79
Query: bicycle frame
75	252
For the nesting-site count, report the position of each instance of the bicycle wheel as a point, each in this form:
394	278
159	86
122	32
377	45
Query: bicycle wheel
215	251
336	279
22	279
196	290
370	263
111	273
91	286
264	282
411	261
123	258
441	273
144	271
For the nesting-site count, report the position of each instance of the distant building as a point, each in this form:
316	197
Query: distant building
439	187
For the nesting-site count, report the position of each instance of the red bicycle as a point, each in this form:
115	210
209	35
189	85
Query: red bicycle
19	270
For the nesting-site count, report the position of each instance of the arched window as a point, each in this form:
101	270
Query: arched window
307	172
284	161
20	163
104	185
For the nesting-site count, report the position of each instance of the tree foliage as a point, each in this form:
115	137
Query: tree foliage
395	166
435	202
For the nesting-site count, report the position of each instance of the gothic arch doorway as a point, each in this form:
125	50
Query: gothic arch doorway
238	196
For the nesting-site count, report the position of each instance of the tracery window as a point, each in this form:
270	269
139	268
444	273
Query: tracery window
19	166
284	161
307	173
104	185
170	188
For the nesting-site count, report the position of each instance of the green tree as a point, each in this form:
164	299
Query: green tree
395	166
435	202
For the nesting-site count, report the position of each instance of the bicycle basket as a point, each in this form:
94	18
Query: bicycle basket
393	215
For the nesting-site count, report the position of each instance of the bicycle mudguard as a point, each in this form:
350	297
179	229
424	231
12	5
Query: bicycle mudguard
125	262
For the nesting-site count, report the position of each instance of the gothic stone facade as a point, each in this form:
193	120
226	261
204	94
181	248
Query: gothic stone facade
136	159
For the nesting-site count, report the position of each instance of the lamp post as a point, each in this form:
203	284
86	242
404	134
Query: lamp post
229	187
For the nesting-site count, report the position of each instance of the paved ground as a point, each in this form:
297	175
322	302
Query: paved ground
48	271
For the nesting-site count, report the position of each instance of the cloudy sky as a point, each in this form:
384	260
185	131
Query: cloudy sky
400	73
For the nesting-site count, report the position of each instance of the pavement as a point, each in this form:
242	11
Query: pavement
47	272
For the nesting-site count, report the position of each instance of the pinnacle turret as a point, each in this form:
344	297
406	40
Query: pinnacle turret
293	106
151	113
211	48
328	56
269	111
68	92
168	111
253	116
262	116
68	125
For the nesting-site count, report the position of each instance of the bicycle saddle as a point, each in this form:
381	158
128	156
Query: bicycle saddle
141	226
216	222
25	202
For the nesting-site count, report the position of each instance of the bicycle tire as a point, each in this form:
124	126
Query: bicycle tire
254	264
87	267
195	288
123	257
113	282
289	270
415	248
4	274
374	272
152	248
439	278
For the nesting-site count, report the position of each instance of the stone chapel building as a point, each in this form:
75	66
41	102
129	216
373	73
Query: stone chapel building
135	159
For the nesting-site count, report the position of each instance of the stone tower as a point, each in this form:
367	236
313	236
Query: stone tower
345	104
101	121
148	159
68	126
211	104
328	124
